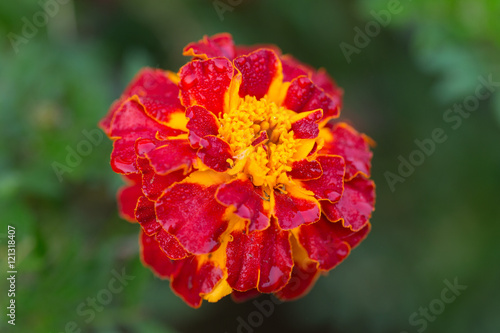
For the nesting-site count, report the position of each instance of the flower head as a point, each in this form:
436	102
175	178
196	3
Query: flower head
241	181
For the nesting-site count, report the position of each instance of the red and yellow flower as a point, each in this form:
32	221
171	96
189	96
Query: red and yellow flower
239	178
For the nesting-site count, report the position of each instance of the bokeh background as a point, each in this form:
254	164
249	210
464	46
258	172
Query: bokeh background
442	222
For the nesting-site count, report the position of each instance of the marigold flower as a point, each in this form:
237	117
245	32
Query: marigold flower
239	179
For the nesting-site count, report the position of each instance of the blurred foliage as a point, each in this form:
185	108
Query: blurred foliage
441	223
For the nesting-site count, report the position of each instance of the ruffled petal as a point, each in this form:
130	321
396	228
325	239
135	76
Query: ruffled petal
195	279
293	209
158	94
132	122
247	199
243	296
170	245
355	206
190	212
306	170
155	91
201	123
306	127
127	201
154	184
330	185
132	178
172	155
303	95
206	83
329	243
146	216
325	82
261	70
301	281
261	259
215	153
219	45
293	68
105	123
352	146
123	158
152	256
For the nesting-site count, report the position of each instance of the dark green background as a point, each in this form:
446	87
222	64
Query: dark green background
441	223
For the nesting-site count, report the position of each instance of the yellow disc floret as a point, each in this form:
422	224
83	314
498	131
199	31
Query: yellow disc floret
268	161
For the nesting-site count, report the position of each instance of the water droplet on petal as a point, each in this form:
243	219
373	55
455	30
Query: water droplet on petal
220	65
303	82
188	81
241	61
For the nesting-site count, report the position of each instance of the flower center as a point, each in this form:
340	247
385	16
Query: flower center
258	132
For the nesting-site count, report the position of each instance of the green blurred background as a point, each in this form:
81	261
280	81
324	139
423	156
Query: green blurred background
442	222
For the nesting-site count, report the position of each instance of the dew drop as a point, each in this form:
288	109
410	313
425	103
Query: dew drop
188	81
303	82
241	61
220	65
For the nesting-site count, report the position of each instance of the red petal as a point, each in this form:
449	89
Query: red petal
330	185
301	281
329	243
260	139
131	121
170	245
355	206
190	212
132	178
174	154
215	152
201	123
105	123
155	91
205	83
248	202
306	170
146	216
123	158
293	68
153	257
127	201
292	211
154	184
352	147
325	82
243	296
307	127
303	95
129	124
193	280
219	45
262	259
258	69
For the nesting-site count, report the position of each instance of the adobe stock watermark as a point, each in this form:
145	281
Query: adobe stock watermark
92	305
436	307
222	6
40	19
74	157
372	29
454	117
